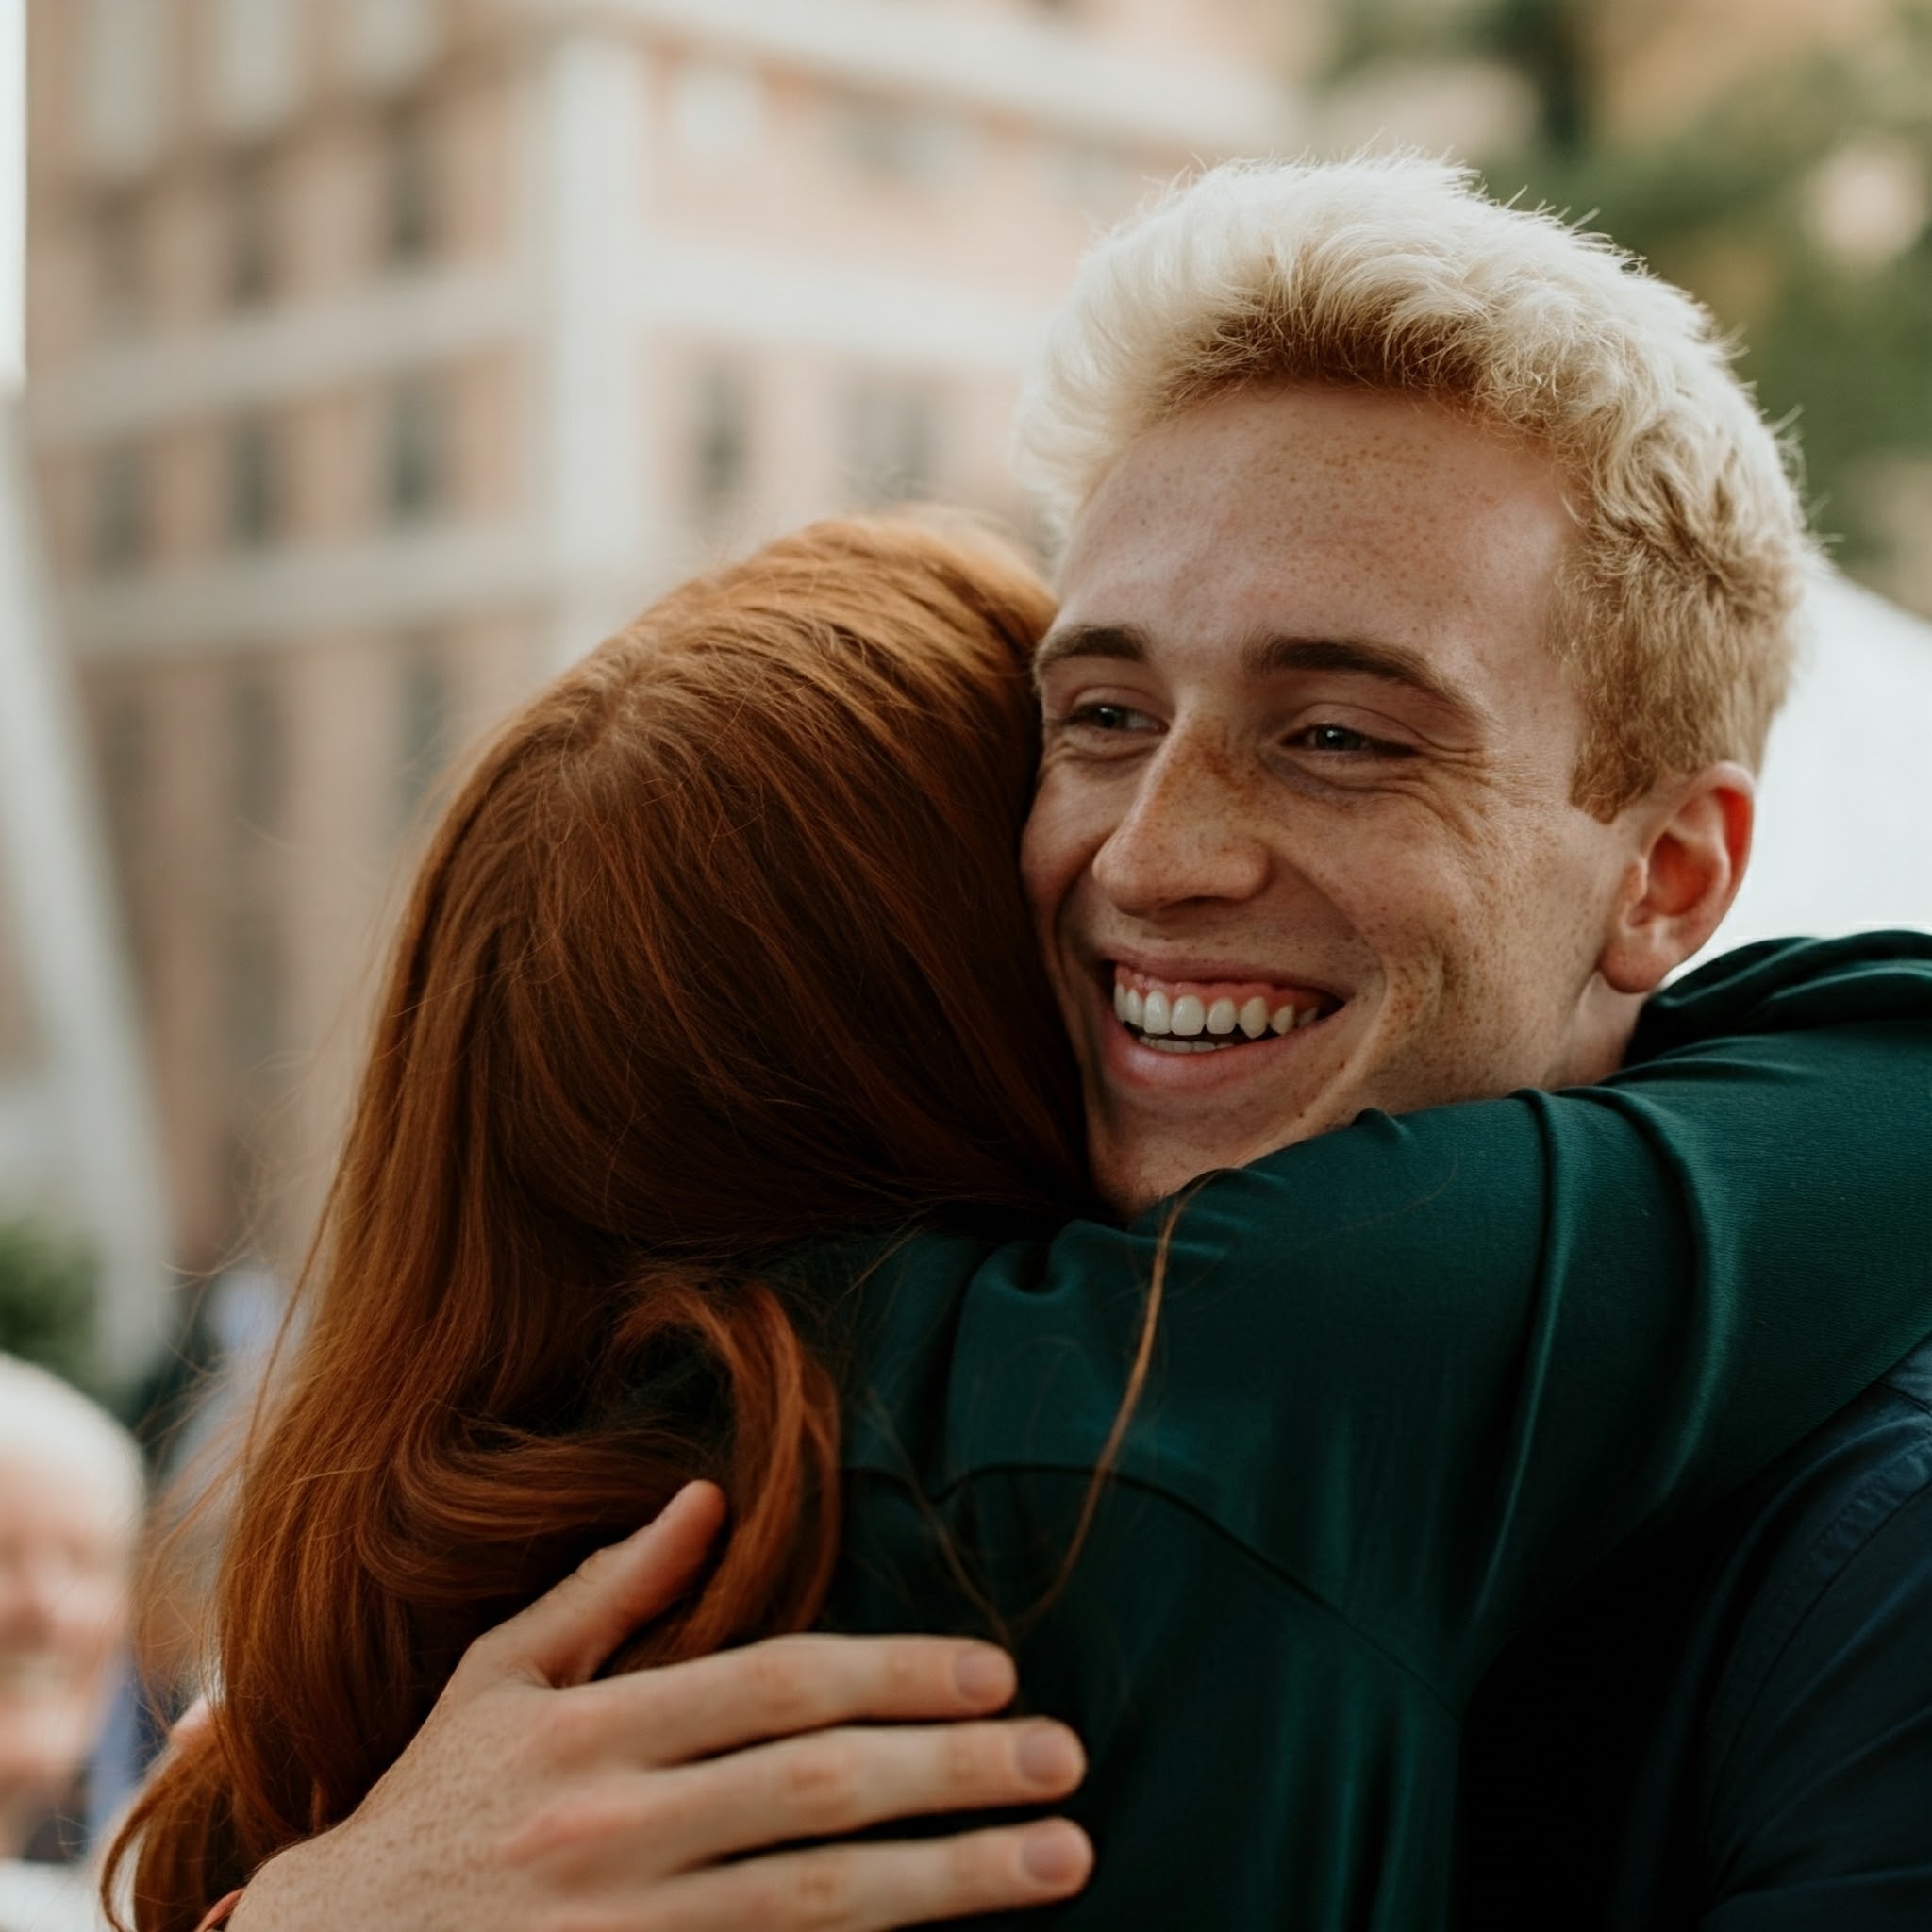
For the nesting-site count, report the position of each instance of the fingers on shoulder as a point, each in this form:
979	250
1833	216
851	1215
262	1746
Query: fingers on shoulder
869	1887
788	1685
828	1783
845	1779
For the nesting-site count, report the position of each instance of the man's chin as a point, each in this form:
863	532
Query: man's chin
1143	1147
1159	1121
1131	1172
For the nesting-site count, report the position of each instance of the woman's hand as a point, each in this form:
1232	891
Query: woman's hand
536	1796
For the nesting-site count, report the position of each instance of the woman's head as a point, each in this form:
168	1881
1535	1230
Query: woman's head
723	941
720	947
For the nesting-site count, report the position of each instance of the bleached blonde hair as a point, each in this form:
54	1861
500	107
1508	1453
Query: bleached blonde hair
1677	609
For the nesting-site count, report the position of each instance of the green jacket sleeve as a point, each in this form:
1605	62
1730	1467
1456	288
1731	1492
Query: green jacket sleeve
1432	1369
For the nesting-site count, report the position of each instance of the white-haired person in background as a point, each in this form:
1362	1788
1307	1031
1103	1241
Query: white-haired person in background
72	1491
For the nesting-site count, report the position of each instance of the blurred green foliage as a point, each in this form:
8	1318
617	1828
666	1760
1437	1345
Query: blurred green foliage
47	1293
1839	340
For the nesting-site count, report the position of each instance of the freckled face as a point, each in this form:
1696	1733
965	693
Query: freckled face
1308	754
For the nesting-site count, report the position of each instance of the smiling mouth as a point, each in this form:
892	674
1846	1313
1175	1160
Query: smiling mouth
1201	1016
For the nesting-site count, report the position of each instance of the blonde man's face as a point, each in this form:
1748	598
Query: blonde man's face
1304	841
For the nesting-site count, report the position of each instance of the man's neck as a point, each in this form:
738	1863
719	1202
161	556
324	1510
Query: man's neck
1601	1039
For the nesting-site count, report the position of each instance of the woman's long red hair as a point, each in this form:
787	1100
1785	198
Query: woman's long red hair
720	948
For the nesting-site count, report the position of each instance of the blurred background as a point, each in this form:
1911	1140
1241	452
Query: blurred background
381	354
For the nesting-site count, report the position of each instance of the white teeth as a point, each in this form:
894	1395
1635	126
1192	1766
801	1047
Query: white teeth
1178	1020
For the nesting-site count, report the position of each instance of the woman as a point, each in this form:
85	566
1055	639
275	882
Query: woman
715	1122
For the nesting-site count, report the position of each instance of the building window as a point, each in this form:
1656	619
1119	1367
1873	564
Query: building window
898	142
253	975
253	484
257	66
120	521
120	270
258	749
122	74
891	438
392	42
254	965
252	263
126	747
425	717
721	442
414	451
411	213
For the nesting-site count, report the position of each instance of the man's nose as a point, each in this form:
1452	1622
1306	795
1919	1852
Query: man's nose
1187	834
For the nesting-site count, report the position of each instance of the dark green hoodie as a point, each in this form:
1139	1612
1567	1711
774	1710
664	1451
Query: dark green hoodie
1413	1379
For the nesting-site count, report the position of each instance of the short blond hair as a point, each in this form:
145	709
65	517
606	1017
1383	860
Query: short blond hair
1677	611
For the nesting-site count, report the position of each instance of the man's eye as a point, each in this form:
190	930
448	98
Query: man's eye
1109	718
1338	739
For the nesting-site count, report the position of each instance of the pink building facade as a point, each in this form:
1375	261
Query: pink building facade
384	353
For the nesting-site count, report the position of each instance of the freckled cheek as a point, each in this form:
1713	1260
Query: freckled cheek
1063	832
1409	909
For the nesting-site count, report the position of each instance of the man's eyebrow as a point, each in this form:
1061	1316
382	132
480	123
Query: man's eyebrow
1358	658
1123	643
1271	655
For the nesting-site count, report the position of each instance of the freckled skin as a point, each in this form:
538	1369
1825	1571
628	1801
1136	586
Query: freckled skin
1414	855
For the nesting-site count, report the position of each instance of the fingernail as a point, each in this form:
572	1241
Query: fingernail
1048	1755
1056	1854
984	1676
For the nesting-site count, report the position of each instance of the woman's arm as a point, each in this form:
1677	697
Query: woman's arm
1436	1368
1433	1369
536	1794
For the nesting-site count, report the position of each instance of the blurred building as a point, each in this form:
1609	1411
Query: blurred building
383	353
1773	156
78	1161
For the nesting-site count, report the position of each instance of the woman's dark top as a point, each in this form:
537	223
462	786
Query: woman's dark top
1413	1380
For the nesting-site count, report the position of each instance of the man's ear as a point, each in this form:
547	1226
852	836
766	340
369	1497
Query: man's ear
1693	841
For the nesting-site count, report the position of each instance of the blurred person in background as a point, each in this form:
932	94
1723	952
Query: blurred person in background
70	1497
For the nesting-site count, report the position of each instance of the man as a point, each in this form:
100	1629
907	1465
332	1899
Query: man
71	1494
1429	594
1303	720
